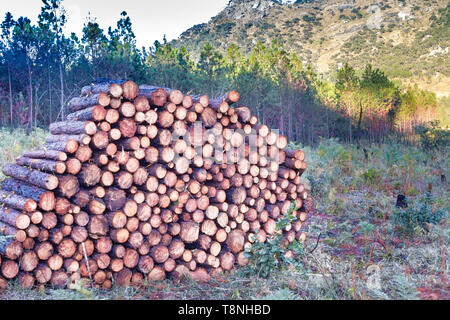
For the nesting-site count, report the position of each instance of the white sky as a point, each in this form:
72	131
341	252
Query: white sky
151	19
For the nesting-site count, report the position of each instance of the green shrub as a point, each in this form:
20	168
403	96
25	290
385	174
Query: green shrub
371	176
418	215
319	185
225	28
431	136
267	257
391	27
357	13
366	227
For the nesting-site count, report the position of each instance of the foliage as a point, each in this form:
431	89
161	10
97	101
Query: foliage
370	101
366	227
444	112
371	176
271	255
432	136
418	215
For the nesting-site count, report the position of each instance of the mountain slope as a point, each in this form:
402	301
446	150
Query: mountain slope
409	39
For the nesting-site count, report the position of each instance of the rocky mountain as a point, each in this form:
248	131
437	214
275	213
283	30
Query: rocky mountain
408	39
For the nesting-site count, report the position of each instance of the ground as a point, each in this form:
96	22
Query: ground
355	250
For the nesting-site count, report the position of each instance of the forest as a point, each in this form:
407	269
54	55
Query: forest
41	69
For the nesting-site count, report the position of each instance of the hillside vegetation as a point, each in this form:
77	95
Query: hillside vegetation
408	39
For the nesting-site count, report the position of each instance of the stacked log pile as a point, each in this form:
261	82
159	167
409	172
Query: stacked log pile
141	183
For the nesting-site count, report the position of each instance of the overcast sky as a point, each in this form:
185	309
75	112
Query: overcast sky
151	18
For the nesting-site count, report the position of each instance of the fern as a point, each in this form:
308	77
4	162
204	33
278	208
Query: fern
266	257
418	215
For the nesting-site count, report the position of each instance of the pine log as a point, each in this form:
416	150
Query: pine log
128	128
120	235
103	86
69	146
68	185
26	280
42	165
29	261
44	198
90	175
209	117
244	114
80	138
297	154
157	96
130	90
81	103
17	202
9	269
6	230
236	241
46	154
100	140
189	232
34	177
73	127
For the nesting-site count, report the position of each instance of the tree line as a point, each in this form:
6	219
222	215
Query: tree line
41	69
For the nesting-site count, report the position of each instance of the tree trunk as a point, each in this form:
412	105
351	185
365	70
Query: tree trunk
61	81
42	165
47	154
34	177
360	121
10	96
50	94
30	92
44	198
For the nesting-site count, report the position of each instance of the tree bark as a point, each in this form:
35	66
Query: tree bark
34	177
47	154
42	165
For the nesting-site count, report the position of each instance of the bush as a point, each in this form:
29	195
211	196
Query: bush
357	13
274	254
372	176
417	216
225	28
431	136
319	185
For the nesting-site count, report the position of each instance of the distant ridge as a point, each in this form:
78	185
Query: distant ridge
409	39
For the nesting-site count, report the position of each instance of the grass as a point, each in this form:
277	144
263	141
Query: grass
361	253
13	143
